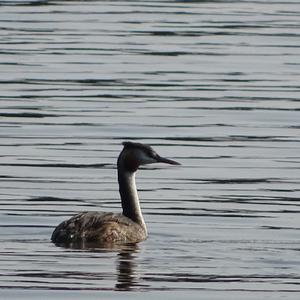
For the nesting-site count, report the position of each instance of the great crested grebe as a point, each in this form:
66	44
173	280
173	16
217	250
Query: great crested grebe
110	228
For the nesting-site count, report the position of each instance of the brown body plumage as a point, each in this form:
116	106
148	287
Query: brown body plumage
99	227
108	228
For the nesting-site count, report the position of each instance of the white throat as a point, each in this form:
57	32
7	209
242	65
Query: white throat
129	196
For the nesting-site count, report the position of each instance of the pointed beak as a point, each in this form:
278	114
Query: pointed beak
166	160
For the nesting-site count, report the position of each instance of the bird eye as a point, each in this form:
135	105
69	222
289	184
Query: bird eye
153	154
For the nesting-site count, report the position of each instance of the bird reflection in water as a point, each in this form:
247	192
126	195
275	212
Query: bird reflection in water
126	264
127	278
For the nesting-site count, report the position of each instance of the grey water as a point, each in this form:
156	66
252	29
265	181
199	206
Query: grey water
212	84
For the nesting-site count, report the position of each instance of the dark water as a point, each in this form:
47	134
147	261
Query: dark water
212	84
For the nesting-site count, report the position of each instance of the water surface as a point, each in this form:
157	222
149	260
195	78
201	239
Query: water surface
212	84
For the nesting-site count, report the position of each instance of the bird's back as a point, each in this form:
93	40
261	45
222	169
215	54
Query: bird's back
100	228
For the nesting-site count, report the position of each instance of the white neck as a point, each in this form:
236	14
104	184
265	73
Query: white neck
129	196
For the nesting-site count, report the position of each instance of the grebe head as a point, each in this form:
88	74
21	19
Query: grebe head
134	155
